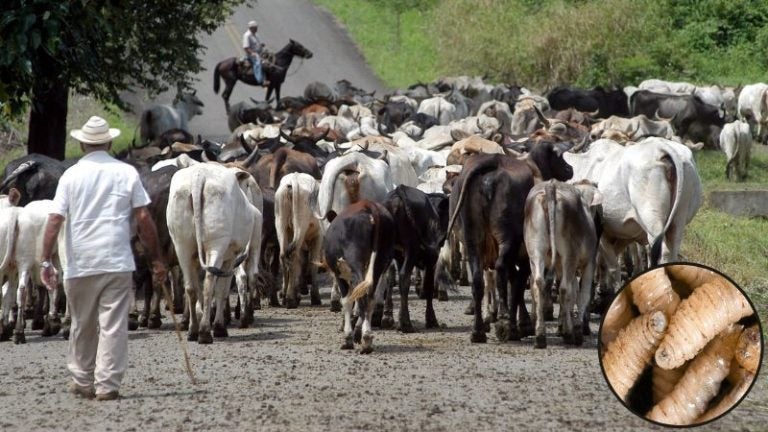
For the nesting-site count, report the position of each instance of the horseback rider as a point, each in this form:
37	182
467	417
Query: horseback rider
253	49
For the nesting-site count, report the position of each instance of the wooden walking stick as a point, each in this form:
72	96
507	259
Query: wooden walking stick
182	342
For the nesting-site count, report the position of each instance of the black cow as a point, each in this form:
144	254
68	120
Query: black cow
158	185
488	202
421	223
690	116
605	102
395	113
350	94
34	175
358	247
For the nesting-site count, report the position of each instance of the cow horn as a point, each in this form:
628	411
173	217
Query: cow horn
479	126
593	114
382	132
578	147
383	156
244	144
284	136
541	117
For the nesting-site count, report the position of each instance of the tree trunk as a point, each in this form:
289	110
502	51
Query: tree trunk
48	120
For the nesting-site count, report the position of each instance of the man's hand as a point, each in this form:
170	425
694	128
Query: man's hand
50	277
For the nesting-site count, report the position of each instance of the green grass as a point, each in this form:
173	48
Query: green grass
398	65
737	246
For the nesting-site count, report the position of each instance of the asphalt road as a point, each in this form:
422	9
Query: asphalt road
335	57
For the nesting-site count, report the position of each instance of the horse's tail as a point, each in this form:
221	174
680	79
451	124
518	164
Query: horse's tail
216	77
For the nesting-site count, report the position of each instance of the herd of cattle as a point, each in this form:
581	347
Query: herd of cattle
511	188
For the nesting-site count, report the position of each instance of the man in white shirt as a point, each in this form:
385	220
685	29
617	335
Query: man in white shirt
97	197
253	48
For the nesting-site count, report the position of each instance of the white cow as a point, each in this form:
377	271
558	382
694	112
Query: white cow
298	231
398	159
22	237
350	178
560	235
753	109
214	219
160	118
439	108
736	142
650	193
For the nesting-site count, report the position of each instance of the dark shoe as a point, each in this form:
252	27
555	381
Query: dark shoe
108	396
81	391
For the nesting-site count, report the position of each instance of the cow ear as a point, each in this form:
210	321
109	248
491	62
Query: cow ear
242	175
14	196
458	135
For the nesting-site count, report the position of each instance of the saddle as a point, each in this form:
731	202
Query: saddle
267	63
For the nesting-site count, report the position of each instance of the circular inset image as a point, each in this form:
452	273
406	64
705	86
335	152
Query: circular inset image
680	345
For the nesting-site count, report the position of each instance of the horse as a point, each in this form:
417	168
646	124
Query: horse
230	71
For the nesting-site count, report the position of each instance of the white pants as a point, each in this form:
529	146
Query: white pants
98	340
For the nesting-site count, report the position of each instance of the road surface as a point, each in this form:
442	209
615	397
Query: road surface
335	57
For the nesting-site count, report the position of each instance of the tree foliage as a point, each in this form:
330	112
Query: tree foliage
100	47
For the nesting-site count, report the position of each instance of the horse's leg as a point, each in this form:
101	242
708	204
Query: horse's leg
228	91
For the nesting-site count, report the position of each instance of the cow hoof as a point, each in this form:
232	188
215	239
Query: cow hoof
243	323
478	337
55	325
526	329
133	323
503	333
421	294
348	344
470	310
38	324
387	321
46	329
432	322
578	338
184	324
192	336
541	342
442	296
304	290
220	331
19	338
367	347
291	303
335	305
65	333
406	327
204	338
143	321
274	302
601	303
315	301
154	322
4	334
358	335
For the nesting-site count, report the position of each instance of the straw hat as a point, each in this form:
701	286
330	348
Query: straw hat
252	24
95	132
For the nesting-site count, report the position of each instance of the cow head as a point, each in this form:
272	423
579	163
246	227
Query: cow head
548	158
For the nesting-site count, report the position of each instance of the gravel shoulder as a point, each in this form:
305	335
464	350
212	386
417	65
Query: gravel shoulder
287	372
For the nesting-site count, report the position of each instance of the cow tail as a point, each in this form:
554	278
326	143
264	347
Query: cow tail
198	185
489	164
216	78
10	242
296	216
325	194
550	193
679	178
275	167
365	285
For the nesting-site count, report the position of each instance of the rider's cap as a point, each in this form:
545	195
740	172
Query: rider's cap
252	24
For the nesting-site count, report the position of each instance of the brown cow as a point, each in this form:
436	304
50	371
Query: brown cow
494	188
